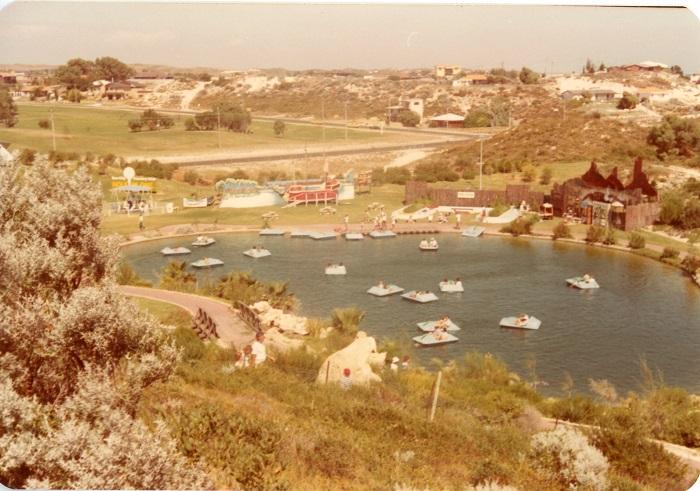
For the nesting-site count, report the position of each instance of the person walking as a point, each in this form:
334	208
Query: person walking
458	217
346	220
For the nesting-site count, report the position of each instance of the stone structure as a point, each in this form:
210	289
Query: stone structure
606	201
514	194
359	356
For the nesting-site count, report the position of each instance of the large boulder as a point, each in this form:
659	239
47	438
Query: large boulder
359	356
287	323
281	343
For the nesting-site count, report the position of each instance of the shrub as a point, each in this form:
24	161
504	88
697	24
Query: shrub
127	276
190	177
690	263
561	231
347	320
669	253
546	176
44	124
519	226
595	234
529	173
628	101
409	119
610	238
135	125
636	241
245	451
27	156
570	460
176	277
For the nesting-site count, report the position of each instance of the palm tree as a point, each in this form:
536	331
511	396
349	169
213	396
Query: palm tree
347	320
176	277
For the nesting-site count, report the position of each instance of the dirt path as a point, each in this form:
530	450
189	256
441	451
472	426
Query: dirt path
189	95
231	329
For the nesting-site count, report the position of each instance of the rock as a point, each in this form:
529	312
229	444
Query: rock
271	316
281	343
359	356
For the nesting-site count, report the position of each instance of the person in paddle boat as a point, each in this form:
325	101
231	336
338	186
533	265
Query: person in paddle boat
424	243
381	285
587	278
439	333
443	323
522	319
433	242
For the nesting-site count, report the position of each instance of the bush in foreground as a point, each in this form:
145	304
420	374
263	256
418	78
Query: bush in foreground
636	241
561	231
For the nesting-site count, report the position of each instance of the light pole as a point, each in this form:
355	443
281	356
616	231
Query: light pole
346	120
481	161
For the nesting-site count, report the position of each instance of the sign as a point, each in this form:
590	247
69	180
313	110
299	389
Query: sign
466	194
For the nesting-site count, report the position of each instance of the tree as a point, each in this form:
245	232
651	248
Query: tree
675	135
27	156
74	95
108	68
561	231
677	70
628	101
135	125
44	124
409	119
76	354
529	172
477	118
546	176
499	109
76	74
589	67
232	117
8	109
151	120
279	127
602	67
528	76
191	177
672	203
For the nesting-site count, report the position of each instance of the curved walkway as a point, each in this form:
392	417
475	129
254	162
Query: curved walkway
231	329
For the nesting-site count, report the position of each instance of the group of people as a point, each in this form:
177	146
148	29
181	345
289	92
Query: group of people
429	244
394	365
131	205
441	327
522	319
253	354
452	282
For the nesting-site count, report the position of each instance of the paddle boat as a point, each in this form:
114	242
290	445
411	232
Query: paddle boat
353	236
382	234
275	232
523	321
257	252
585	282
323	235
444	324
428	245
299	234
336	269
451	286
473	231
203	241
383	290
207	262
174	251
435	338
420	296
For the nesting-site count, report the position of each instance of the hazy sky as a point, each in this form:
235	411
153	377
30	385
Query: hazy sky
336	36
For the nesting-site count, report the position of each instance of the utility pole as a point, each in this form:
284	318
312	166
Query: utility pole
53	131
323	131
481	160
218	125
346	120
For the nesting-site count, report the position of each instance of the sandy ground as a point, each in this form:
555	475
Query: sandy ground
189	95
407	157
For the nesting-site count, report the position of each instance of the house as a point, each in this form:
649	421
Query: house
448	120
645	66
606	201
476	78
9	78
648	94
117	90
406	104
444	71
593	94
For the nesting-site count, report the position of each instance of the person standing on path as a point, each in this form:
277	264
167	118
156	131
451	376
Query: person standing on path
346	220
141	225
459	221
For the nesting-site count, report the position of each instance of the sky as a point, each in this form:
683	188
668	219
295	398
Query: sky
237	36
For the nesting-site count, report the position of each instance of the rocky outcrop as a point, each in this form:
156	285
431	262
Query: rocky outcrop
287	323
359	356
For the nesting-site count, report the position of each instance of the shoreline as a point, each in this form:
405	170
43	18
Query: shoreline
210	229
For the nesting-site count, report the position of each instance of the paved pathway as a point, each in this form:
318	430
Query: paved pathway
231	329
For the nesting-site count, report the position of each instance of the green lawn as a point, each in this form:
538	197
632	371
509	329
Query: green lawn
389	195
102	131
167	314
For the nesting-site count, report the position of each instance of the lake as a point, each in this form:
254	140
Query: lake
644	309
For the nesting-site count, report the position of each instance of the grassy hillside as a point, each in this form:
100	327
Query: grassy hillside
273	428
102	131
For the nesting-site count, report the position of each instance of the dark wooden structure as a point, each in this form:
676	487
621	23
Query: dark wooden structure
249	316
596	199
204	326
514	194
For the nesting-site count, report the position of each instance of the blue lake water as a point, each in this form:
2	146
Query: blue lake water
643	309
